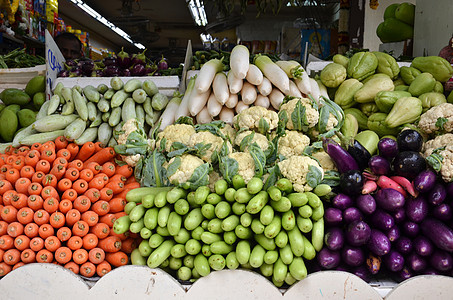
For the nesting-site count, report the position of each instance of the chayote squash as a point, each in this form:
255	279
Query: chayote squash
368	108
401	87
372	87
374	76
361	65
394	30
389	11
350	126
376	124
386	99
405	110
398	82
333	75
344	96
387	64
439	67
361	118
408	74
438	87
423	83
431	99
450	97
406	12
341	59
368	139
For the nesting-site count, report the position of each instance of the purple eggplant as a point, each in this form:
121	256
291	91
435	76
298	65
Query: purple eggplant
342	159
417	209
437	194
409	140
75	72
405	273
431	271
389	199
441	261
449	189
423	246
410	229
388	147
394	261
358	233
70	63
110	61
124	60
379	165
97	73
137	70
378	243
399	215
111	71
393	233
342	201
408	164
360	154
139	58
366	204
351	182
382	220
162	64
439	233
425	181
333	216
352	214
373	263
334	238
150	69
63	73
125	72
404	245
353	256
363	273
416	262
442	212
328	259
88	67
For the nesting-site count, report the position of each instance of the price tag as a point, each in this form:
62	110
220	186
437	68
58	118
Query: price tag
54	62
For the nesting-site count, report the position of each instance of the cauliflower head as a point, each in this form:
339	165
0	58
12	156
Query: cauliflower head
292	143
246	164
250	118
259	138
438	142
229	132
311	114
296	168
207	137
131	125
437	118
325	161
175	133
188	165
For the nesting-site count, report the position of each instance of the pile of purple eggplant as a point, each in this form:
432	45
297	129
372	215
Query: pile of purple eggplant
121	64
392	215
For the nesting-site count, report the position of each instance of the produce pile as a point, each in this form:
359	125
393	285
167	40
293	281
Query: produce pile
18	58
59	201
18	108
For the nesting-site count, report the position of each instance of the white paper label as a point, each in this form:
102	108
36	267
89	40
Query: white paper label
54	62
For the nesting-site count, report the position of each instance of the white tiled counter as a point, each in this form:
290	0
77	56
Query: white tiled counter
49	281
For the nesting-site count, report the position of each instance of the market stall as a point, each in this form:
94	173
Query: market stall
238	173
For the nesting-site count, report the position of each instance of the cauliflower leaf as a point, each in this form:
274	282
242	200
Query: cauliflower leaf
200	177
259	157
299	117
314	176
228	167
152	171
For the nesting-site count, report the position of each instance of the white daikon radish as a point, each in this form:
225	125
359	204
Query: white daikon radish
241	106
262	101
248	93
291	67
240	61
265	88
220	88
234	83
303	83
203	116
198	101
273	72
183	108
168	116
315	92
214	107
207	74
232	101
322	89
276	98
293	90
254	75
227	115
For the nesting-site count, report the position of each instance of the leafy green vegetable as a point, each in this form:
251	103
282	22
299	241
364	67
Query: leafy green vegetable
314	103
163	143
200	177
228	167
136	143
177	148
213	127
282	121
299	117
174	166
324	114
153	173
331	178
287	98
246	141
259	157
314	147
337	112
314	176
185	120
263	126
274	174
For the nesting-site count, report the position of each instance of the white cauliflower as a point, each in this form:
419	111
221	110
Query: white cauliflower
128	127
259	138
437	118
207	137
246	164
250	118
131	160
188	165
441	151
292	143
325	161
175	133
311	114
296	169
438	142
229	132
